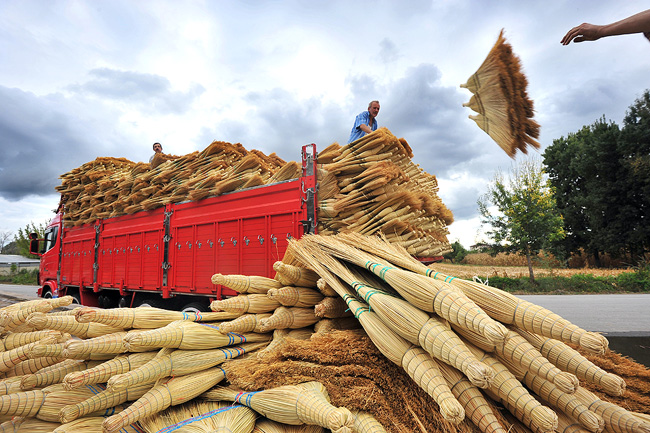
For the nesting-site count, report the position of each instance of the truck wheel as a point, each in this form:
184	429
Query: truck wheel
124	302
47	294
149	302
196	307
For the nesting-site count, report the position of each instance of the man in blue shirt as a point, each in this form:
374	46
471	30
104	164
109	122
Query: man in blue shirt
365	122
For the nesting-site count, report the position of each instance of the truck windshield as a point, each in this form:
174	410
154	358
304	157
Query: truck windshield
50	239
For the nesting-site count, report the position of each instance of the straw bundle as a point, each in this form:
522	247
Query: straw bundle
70	325
244	323
410	323
245	283
32	366
332	308
28	425
103	372
91	425
507	389
329	325
500	98
325	288
18	339
307	403
296	296
366	423
188	335
566	424
518	351
418	290
295	275
10	320
289	317
105	399
265	425
171	363
476	406
201	417
557	398
14	356
570	360
41	379
280	335
616	418
10	385
141	317
174	391
246	303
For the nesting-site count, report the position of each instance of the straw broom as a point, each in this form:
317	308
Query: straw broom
516	350
332	308
279	336
296	296
500	305
28	425
103	372
70	325
445	302
173	391
415	361
91	425
172	362
105	399
566	424
570	360
32	366
325	288
329	325
140	317
246	303
10	385
307	403
508	390
189	335
265	425
289	317
14	340
616	418
41	379
13	357
295	275
477	408
557	398
364	422
13	319
412	324
201	417
244	323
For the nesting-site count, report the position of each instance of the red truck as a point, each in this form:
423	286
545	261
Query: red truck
166	257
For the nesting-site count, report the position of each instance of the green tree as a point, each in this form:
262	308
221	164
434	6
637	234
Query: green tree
22	238
522	213
458	253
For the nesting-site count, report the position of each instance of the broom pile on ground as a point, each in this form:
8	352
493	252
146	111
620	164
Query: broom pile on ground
368	186
351	335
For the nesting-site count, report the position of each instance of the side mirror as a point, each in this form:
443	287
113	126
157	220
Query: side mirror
34	244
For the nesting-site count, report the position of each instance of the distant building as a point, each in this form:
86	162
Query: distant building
7	260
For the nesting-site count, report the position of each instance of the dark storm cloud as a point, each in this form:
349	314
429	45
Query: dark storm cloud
42	137
148	91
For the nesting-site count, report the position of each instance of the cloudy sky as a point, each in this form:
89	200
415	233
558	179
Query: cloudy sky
82	79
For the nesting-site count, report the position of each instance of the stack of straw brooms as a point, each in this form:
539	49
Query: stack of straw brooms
368	186
500	98
351	335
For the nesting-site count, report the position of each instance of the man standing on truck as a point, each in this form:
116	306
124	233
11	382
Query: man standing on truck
365	122
157	148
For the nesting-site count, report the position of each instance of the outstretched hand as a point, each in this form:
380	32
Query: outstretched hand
583	32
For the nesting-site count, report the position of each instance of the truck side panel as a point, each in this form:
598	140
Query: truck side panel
78	256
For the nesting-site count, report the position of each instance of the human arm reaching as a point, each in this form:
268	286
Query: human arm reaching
638	23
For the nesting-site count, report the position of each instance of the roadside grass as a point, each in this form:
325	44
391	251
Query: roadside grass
553	281
21	277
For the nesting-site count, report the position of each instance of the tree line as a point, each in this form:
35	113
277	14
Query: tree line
591	194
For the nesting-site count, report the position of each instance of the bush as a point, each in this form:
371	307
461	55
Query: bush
457	254
22	277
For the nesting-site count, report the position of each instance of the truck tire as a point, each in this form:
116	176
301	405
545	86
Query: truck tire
196	307
47	293
149	302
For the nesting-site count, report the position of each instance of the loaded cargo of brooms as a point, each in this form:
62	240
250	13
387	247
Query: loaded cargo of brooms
352	335
368	186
